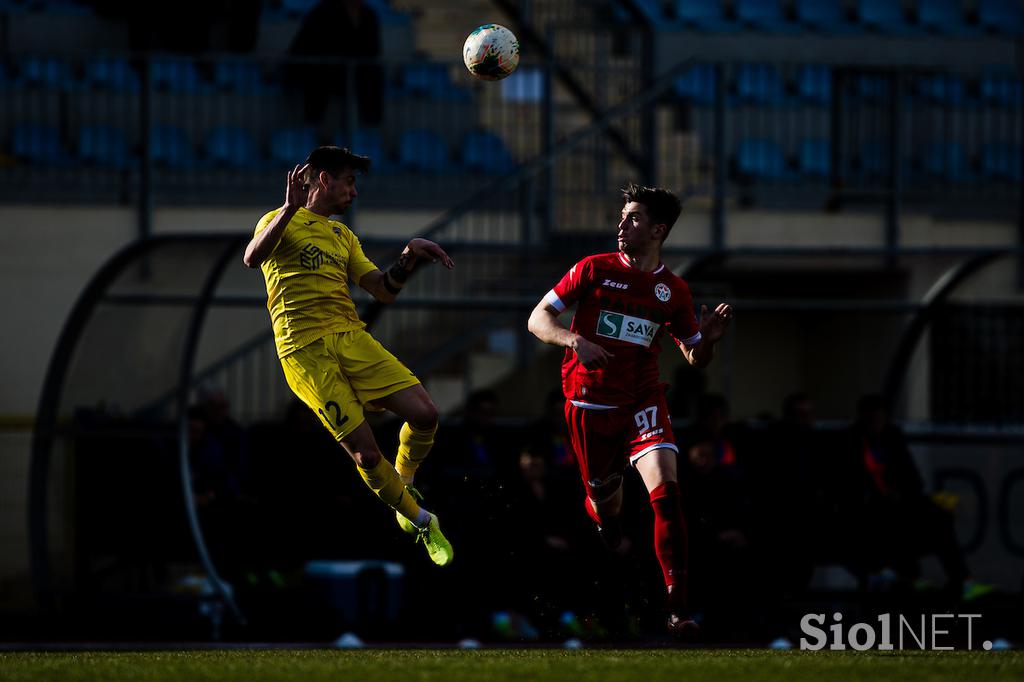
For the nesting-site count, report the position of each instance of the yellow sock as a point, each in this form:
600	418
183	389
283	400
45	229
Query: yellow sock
413	447
384	481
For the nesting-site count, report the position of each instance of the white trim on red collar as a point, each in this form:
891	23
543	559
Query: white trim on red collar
625	261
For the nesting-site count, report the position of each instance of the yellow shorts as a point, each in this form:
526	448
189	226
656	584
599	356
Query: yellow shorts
339	374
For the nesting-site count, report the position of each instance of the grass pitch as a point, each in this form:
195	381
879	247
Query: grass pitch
494	665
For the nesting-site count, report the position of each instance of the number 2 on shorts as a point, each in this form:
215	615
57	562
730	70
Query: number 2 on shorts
338	419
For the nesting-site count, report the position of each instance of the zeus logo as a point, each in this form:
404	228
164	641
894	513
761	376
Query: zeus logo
614	285
626	328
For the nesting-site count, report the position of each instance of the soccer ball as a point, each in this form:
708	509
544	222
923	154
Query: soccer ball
491	52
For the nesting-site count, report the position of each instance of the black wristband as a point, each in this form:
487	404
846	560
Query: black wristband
398	272
389	286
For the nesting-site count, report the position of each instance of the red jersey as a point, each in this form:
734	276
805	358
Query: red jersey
625	311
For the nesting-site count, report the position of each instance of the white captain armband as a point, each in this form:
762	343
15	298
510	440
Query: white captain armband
551	298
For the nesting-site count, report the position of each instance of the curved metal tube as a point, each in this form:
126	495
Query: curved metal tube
46	417
184	388
45	428
931	302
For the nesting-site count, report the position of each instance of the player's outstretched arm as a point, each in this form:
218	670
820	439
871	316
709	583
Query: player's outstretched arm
545	326
385	286
712	329
264	243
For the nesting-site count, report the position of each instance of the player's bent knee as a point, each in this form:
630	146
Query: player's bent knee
362	447
426	416
606	495
366	459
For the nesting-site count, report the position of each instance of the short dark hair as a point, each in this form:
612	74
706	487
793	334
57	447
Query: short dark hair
663	206
334	160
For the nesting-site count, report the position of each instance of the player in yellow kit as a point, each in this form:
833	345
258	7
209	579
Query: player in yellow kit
330	361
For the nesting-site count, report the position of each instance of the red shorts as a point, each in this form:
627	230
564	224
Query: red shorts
605	439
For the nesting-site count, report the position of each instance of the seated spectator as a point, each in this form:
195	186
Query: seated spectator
542	512
476	442
546	438
725	549
791	495
901	524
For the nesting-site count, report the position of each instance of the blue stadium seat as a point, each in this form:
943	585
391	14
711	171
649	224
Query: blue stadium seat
759	83
1002	86
50	73
430	80
1001	16
524	85
703	15
945	160
871	88
422	151
945	17
873	158
238	76
102	145
828	16
424	79
814	84
289	146
942	89
175	75
697	84
1001	161
37	143
110	73
885	16
232	147
388	15
297	8
761	159
485	152
764	15
368	142
815	158
170	148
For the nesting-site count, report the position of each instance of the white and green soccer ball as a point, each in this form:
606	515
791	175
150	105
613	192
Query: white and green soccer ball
491	52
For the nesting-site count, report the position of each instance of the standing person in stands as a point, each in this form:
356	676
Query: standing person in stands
336	30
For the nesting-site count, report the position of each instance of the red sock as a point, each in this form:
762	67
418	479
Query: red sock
670	539
591	512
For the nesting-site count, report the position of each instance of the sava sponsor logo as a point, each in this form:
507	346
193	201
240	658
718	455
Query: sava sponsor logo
614	285
626	328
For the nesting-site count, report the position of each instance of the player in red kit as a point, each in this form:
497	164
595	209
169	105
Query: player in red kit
615	401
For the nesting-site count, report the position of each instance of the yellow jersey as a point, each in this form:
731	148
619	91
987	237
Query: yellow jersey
307	278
